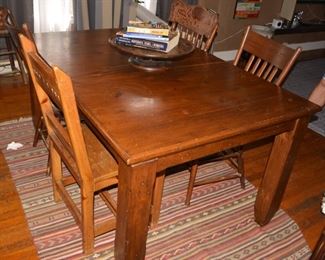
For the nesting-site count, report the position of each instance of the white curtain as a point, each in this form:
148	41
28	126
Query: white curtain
53	15
151	5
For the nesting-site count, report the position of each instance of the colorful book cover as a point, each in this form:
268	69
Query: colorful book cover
148	44
146	36
148	28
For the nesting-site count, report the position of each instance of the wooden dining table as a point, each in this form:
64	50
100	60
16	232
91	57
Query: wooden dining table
151	121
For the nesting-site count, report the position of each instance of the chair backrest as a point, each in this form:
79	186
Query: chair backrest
13	32
54	86
6	17
3	17
265	57
35	106
195	23
27	32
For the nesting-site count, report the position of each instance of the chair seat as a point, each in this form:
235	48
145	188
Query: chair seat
103	165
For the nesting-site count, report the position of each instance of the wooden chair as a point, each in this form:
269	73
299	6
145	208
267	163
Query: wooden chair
10	50
39	125
266	59
35	106
91	166
195	23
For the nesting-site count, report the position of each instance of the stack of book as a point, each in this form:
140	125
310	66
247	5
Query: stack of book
151	36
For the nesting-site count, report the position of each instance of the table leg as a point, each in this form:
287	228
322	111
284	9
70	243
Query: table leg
319	250
157	197
277	172
135	190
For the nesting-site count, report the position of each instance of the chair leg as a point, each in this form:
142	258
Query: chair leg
88	232
319	250
56	167
193	173
49	169
194	168
38	128
11	56
22	69
241	169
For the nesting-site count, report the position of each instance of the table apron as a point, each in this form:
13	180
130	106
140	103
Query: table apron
180	157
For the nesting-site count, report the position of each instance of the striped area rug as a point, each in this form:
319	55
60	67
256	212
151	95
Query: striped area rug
219	224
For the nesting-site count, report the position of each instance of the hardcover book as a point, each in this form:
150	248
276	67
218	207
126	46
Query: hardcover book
148	28
163	46
147	36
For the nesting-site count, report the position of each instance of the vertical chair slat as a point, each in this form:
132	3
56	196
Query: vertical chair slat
196	40
249	63
261	69
267	72
256	64
272	74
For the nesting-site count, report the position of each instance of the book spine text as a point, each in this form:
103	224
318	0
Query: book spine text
160	46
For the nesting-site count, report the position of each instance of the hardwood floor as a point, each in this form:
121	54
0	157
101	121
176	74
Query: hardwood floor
302	198
14	99
15	239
